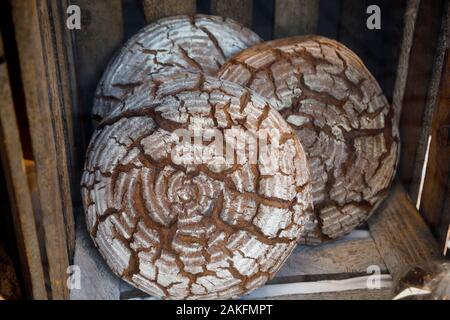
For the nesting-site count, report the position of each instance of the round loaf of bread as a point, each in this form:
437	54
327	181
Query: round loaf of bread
197	43
196	189
341	116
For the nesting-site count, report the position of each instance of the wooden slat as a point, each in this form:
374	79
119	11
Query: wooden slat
19	193
42	85
362	294
418	75
410	19
61	69
74	133
295	17
438	164
238	10
101	35
319	287
156	9
400	234
339	259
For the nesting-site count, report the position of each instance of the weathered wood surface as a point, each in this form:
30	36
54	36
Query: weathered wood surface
361	294
400	234
157	9
417	74
19	193
410	19
295	17
71	114
238	10
100	37
435	187
42	85
339	259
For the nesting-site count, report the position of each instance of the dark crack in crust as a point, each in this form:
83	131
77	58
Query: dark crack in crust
196	231
341	116
197	43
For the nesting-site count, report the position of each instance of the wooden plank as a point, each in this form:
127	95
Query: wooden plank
418	76
18	191
42	84
59	54
74	133
238	10
316	287
156	9
295	17
438	127
101	35
340	259
361	294
410	19
400	234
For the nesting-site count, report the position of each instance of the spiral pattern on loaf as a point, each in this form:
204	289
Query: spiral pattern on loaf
212	229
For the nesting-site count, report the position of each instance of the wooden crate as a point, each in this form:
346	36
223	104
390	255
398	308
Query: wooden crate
48	76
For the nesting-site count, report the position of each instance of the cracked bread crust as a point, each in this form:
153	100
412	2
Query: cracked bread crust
341	116
197	43
197	231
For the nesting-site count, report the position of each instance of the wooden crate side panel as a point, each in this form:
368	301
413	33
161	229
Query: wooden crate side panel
340	259
18	190
435	185
295	17
70	112
41	84
238	10
156	9
410	20
418	76
61	89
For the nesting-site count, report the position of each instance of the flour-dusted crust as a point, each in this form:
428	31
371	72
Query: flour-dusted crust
199	43
341	116
214	229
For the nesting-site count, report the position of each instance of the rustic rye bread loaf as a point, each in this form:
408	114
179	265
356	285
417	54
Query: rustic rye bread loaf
216	228
197	43
341	116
